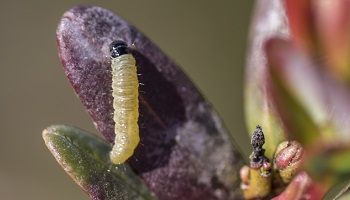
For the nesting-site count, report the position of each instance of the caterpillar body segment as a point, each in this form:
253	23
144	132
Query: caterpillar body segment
125	102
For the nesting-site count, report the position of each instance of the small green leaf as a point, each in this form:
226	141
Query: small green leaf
340	191
85	157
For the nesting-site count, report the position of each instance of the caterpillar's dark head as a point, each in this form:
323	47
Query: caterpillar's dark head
118	48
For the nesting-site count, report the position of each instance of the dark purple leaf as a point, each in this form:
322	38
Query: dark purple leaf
184	152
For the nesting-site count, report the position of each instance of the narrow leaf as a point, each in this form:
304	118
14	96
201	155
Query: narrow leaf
340	191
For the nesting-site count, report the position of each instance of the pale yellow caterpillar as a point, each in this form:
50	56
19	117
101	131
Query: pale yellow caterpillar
125	102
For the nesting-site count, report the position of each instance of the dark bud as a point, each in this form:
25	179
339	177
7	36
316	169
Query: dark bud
257	158
258	139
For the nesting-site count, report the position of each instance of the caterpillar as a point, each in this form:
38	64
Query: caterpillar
125	102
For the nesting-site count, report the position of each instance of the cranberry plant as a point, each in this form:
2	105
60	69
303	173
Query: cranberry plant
297	103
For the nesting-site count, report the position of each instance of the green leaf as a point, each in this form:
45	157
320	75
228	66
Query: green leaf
268	21
340	191
85	157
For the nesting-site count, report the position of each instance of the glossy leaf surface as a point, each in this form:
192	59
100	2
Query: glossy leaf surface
85	157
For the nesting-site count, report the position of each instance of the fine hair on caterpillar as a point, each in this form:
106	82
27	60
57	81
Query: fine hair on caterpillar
125	94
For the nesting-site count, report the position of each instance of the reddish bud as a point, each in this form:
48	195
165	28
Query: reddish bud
288	159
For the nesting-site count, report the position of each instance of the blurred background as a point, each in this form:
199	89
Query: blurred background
208	39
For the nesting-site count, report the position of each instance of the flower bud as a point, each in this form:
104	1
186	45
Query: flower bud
288	159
